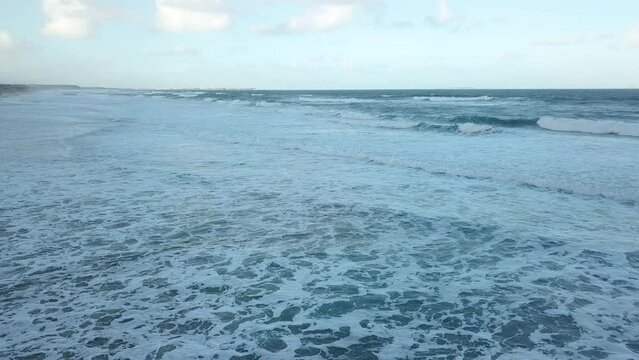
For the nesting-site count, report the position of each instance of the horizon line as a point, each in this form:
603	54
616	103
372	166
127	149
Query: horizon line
309	89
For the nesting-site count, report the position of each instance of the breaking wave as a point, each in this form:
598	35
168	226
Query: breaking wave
453	98
464	128
495	121
329	100
470	128
609	127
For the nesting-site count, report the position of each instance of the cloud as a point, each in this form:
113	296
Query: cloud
322	16
444	17
633	37
6	42
192	15
563	41
68	18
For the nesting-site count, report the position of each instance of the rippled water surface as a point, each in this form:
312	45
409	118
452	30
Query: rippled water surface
334	225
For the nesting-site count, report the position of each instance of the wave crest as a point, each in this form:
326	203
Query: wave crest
464	128
453	98
495	121
335	100
471	128
603	127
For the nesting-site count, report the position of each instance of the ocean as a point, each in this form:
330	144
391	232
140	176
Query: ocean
412	224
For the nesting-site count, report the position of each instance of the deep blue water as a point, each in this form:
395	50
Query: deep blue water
412	224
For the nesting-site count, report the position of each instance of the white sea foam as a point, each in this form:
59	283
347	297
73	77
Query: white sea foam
156	94
335	100
402	244
589	126
233	102
268	103
400	125
471	128
189	94
261	103
354	115
452	98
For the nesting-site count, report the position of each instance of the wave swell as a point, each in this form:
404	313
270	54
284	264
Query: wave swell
464	128
453	98
494	121
603	127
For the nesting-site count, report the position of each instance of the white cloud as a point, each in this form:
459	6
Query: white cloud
68	18
192	15
445	14
6	42
321	16
633	37
444	17
324	17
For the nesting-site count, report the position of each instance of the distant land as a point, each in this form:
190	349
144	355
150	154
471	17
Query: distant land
16	88
9	89
6	89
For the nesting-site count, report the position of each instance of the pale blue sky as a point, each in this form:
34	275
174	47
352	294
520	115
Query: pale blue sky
315	44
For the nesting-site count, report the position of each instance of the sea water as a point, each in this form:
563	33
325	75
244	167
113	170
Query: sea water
466	224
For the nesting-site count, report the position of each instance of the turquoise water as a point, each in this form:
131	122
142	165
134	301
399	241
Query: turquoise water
342	225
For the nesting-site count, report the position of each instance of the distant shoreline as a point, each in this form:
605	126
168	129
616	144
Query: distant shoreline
17	88
12	89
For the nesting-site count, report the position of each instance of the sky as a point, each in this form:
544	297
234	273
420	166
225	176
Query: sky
321	44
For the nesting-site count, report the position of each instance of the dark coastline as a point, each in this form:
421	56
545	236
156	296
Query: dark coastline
6	89
12	89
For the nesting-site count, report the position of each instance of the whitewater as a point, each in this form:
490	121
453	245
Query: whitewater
386	224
